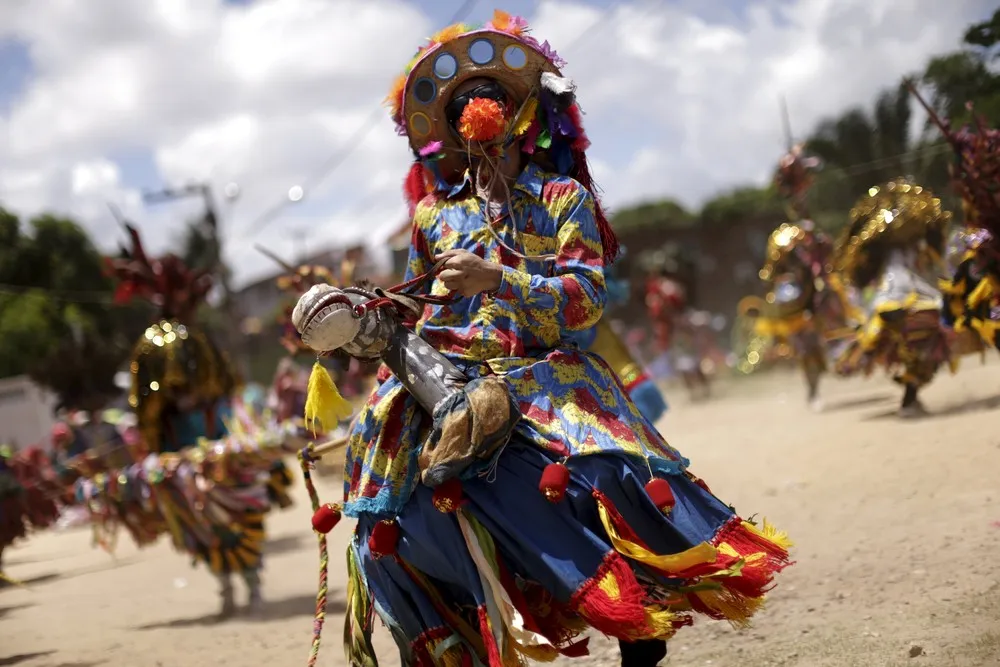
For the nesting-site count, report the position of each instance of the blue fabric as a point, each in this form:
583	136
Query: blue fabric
649	399
190	426
558	545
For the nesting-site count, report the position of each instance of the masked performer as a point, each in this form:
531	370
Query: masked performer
578	514
806	303
182	393
973	291
894	242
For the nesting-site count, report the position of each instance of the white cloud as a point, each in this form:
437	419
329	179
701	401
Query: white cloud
680	102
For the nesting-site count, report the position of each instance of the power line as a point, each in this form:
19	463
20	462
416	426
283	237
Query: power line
358	138
337	159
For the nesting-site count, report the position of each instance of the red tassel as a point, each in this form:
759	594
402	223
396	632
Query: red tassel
384	539
492	650
325	518
581	174
448	496
415	186
581	143
620	616
661	494
555	480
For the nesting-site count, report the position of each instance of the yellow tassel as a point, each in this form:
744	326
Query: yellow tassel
324	404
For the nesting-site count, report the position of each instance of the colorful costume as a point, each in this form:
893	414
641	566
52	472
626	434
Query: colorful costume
895	242
603	341
807	305
581	515
204	470
681	332
28	493
973	291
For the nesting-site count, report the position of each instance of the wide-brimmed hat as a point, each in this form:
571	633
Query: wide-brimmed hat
526	100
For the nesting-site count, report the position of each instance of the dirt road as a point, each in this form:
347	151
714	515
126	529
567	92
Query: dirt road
897	526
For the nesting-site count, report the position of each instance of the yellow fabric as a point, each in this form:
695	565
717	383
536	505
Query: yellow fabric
698	555
781	327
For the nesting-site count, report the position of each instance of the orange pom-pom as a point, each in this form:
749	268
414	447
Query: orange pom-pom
482	119
325	518
384	539
661	494
448	496
555	480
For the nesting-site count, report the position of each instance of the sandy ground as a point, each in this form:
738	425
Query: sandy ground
897	526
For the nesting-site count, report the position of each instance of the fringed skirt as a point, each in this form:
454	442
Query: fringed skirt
27	498
279	480
910	344
492	572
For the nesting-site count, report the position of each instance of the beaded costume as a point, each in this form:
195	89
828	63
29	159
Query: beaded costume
806	305
205	471
583	516
973	290
894	243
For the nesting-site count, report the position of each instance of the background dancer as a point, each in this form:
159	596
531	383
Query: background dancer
182	392
678	332
895	243
974	288
806	303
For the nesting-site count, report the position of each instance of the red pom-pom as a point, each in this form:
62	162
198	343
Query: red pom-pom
661	494
555	479
483	119
325	518
448	496
384	539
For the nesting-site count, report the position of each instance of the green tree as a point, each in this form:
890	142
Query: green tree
863	148
741	204
968	75
57	322
666	214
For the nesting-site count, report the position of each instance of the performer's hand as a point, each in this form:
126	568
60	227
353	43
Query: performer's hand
467	273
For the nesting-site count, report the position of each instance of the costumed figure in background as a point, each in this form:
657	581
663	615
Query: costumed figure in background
605	342
807	306
205	473
680	332
973	290
894	242
508	492
29	489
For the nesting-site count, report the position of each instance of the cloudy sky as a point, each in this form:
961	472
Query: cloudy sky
104	99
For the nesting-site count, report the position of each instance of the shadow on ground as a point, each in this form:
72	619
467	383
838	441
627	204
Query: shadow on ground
11	660
858	402
69	574
283	544
6	610
300	605
976	405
